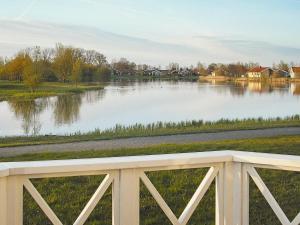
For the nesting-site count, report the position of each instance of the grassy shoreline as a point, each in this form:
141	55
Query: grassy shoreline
16	90
155	129
175	186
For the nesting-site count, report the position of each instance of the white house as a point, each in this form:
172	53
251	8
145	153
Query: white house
259	72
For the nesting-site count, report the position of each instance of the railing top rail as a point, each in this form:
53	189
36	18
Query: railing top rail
279	160
112	163
145	161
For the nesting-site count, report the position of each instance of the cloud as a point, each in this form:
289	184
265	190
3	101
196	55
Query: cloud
16	34
253	50
185	50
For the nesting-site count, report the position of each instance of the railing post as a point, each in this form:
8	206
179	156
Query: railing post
116	199
14	200
3	200
126	198
220	197
245	195
233	194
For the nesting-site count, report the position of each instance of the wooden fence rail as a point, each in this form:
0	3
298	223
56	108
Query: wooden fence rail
231	171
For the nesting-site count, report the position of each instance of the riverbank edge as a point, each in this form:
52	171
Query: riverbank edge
153	130
18	91
246	79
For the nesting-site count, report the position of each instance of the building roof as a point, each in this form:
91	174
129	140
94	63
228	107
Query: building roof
296	69
258	69
279	70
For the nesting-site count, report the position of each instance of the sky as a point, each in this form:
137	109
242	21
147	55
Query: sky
158	31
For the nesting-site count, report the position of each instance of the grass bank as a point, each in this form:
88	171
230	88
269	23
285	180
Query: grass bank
9	90
176	187
155	129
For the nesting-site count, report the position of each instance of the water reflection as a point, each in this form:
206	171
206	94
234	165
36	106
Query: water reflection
145	102
295	89
93	96
241	88
28	112
66	109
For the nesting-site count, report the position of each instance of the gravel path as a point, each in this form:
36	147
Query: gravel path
148	141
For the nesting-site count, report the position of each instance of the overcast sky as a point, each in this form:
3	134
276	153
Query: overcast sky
158	31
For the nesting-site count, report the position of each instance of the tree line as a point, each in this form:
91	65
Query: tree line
237	69
68	64
62	64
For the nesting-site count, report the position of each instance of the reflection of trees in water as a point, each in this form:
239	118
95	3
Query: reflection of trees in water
238	89
67	108
29	111
93	96
281	87
221	89
295	88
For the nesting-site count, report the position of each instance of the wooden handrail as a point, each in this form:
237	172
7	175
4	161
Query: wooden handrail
231	171
144	161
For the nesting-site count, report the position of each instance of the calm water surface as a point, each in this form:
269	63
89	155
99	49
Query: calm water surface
146	102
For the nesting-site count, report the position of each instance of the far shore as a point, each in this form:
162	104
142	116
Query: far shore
247	79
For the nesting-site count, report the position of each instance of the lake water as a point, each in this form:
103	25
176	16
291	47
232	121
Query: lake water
147	102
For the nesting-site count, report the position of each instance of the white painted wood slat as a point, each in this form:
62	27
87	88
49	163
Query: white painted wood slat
268	196
198	195
161	202
94	200
41	202
296	221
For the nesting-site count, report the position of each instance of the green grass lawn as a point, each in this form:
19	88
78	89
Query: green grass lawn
155	129
18	90
67	196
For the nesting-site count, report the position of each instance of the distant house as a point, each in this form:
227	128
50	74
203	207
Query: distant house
155	72
259	72
280	73
183	72
214	74
295	72
164	72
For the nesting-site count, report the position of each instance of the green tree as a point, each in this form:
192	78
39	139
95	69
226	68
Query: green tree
32	75
15	67
63	62
2	67
201	69
76	72
103	73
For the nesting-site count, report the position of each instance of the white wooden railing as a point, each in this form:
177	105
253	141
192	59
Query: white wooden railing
231	170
